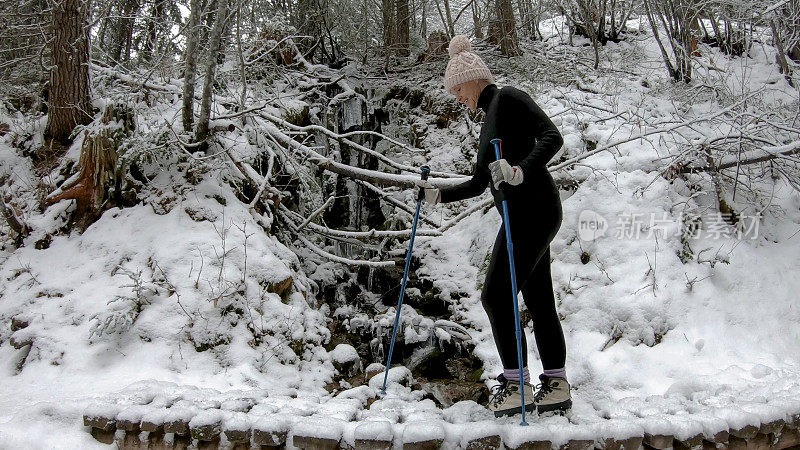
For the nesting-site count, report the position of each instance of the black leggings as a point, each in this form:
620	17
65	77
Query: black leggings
532	230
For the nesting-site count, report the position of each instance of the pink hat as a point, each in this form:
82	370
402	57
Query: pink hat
464	65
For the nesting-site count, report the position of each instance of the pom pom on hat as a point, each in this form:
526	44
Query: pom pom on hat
458	44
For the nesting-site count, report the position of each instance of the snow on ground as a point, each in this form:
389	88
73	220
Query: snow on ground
653	342
79	297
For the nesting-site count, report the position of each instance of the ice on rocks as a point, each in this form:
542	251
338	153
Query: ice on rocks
618	429
374	368
360	393
318	428
765	412
398	376
344	353
134	413
391	409
467	432
237	404
101	409
340	408
155	415
736	417
419	431
237	421
207	417
264	409
466	411
274	423
515	435
424	410
453	329
680	426
374	431
180	413
711	423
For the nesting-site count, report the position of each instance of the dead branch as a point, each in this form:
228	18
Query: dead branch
371	234
317	212
749	157
17	225
686	123
372	176
343	139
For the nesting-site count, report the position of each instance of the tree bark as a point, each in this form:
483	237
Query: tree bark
214	48
509	45
451	28
424	24
123	28
476	20
153	28
388	12
402	27
70	93
190	61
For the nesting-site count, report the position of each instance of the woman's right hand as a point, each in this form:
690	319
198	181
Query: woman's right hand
428	192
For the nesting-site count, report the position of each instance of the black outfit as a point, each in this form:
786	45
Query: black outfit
529	140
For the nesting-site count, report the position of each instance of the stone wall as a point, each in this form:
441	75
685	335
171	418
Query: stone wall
234	425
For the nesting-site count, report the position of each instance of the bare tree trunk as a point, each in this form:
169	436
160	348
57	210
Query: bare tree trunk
214	48
509	44
308	18
101	35
588	13
450	26
476	20
156	18
402	28
366	31
388	11
123	31
524	9
189	69
424	25
789	17
70	94
601	23
242	67
780	55
654	26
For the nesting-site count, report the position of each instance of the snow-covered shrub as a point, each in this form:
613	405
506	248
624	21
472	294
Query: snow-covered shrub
123	309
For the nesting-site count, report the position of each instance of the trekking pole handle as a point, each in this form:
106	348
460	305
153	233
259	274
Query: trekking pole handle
498	151
425	172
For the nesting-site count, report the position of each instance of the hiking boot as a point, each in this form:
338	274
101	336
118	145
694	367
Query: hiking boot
552	395
506	398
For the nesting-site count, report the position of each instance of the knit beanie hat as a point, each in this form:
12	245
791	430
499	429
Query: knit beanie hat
464	65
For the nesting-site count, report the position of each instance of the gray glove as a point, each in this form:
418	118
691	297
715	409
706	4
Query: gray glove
428	193
502	171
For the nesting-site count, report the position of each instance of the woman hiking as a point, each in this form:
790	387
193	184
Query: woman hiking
529	141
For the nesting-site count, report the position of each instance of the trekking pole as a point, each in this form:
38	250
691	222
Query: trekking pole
510	248
425	171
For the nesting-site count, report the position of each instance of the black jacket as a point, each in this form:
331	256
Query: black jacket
529	140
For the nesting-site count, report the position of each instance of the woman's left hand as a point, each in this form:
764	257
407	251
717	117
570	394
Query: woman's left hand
502	171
